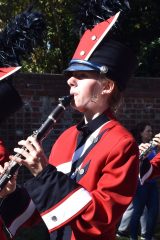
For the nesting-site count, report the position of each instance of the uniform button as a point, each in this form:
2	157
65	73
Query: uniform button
82	53
104	69
81	171
94	38
95	140
54	218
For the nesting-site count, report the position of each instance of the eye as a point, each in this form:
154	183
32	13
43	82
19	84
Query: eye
81	75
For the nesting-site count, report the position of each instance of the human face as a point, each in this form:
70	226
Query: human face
147	134
86	89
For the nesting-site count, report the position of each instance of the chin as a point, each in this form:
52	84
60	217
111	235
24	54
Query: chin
78	108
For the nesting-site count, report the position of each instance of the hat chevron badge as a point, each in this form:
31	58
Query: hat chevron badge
92	38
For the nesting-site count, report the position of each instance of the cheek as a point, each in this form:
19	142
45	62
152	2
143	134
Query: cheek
85	92
87	87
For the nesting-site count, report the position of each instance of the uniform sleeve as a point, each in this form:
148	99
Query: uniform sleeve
18	210
150	169
155	162
60	200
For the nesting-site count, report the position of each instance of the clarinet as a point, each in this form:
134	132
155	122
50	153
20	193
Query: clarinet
39	134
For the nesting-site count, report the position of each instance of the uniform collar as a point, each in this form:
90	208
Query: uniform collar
91	126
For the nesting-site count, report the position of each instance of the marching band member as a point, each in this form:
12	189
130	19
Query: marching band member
18	39
146	200
91	175
149	169
13	102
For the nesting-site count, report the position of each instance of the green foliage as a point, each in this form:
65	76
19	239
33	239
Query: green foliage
58	40
144	33
141	30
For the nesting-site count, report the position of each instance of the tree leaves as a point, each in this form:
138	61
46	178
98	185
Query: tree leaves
141	31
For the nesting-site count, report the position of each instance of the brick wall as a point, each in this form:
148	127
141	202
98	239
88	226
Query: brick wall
142	102
40	94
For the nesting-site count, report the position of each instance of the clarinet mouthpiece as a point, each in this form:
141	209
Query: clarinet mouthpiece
65	100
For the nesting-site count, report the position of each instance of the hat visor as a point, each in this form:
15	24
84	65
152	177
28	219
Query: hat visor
79	67
82	65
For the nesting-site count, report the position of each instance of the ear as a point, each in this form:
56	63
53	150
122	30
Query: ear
108	87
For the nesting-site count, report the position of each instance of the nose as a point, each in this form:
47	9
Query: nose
72	81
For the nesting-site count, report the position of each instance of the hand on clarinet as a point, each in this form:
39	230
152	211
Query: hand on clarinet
143	147
31	156
11	185
146	148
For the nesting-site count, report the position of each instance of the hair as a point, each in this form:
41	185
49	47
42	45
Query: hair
138	129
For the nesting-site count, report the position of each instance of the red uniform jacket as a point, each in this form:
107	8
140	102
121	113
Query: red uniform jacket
155	163
90	187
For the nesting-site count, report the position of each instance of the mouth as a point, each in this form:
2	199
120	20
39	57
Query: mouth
74	94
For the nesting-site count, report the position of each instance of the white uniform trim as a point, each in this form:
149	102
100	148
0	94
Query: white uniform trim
64	167
80	151
146	176
67	209
22	218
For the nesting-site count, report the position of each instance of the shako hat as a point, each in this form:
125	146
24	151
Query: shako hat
98	51
17	41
